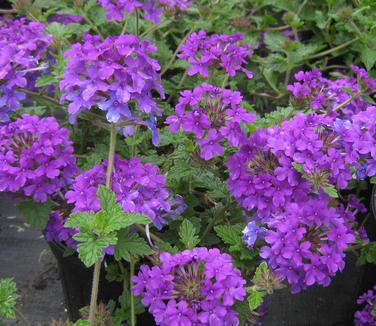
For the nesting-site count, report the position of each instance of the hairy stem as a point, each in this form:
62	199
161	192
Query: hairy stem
21	318
133	313
340	106
172	59
97	266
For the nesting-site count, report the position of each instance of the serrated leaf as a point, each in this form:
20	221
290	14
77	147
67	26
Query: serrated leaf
255	298
188	234
368	57
261	270
331	191
90	248
8	298
131	244
81	220
123	220
107	198
36	214
166	247
275	41
45	80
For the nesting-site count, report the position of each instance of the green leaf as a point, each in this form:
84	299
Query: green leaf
36	214
8	298
373	180
261	270
166	247
123	220
82	220
373	311
368	57
90	248
368	254
131	244
275	41
81	322
45	80
255	298
107	198
331	191
188	234
298	167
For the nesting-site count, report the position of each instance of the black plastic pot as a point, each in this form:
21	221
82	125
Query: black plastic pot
76	281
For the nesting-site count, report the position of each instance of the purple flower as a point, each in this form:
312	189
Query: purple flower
36	157
56	231
228	52
152	8
139	188
111	75
193	287
23	48
212	114
251	233
366	316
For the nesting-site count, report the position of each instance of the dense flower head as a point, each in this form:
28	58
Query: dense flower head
358	136
211	114
194	287
139	188
366	316
321	93
306	242
36	157
56	231
22	46
116	75
152	8
227	52
284	164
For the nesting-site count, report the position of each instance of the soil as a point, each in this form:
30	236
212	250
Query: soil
26	257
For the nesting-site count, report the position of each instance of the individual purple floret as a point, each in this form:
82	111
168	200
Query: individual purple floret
204	52
139	188
56	231
211	114
112	74
36	157
320	93
194	287
367	315
22	48
251	233
306	242
152	9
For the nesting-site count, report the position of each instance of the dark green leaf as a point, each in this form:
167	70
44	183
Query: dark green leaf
131	244
188	234
36	214
8	298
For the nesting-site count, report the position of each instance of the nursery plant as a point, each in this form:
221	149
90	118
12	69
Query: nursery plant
204	154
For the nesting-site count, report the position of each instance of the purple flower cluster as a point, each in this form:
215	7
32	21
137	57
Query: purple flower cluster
359	141
212	114
36	157
228	52
22	47
305	243
320	93
112	74
152	8
139	188
366	316
56	231
194	287
264	174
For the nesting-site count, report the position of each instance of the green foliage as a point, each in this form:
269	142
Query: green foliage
100	230
368	254
36	214
131	244
8	298
188	235
122	313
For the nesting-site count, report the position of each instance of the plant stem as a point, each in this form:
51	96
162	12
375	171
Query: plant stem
21	318
339	47
137	23
8	11
340	106
152	235
172	59
124	27
133	314
98	264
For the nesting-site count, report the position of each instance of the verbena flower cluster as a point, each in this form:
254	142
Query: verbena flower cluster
320	93
194	287
366	316
152	9
205	52
56	231
36	157
305	242
283	174
211	114
139	188
22	46
116	75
